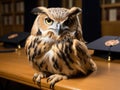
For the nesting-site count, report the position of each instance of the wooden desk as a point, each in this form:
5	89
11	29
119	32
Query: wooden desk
15	66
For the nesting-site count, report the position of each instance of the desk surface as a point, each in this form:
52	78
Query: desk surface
15	66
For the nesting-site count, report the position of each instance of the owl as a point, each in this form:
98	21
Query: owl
55	47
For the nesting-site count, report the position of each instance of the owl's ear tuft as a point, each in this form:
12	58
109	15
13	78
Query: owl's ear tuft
75	11
39	10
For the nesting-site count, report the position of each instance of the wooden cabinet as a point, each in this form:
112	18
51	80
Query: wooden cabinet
11	16
110	23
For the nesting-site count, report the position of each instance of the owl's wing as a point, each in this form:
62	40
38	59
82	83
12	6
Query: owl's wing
74	54
78	33
83	60
82	57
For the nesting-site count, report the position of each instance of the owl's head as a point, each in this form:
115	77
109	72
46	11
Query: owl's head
56	20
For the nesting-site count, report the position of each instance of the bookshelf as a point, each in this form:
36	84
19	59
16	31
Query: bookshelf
43	3
72	3
12	16
110	21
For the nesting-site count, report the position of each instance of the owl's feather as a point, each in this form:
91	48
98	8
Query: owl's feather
56	48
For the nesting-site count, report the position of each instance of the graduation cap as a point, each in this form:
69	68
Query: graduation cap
106	46
14	39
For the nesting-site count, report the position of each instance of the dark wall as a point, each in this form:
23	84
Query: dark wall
28	16
91	19
54	3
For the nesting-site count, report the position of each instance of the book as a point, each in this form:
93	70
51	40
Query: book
113	14
17	19
21	6
10	21
11	7
70	3
42	2
22	19
113	1
5	20
6	7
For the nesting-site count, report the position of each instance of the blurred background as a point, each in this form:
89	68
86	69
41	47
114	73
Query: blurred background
98	18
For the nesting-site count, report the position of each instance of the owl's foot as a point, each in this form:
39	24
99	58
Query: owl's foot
94	66
55	78
37	78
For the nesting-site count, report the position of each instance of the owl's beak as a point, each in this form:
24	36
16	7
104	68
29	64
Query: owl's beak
59	28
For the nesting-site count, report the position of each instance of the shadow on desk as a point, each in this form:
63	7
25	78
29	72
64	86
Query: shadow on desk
11	85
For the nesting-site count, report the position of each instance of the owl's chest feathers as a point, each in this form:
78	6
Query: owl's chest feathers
57	56
49	63
58	59
47	39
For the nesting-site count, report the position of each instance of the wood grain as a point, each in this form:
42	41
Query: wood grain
15	66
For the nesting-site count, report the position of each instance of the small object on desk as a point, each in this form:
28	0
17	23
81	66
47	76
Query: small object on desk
14	39
109	58
109	44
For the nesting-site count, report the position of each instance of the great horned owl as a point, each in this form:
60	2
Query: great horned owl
56	47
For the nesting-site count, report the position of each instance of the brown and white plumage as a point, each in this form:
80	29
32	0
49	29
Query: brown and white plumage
56	47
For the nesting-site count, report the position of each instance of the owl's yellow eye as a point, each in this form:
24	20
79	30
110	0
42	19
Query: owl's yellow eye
48	21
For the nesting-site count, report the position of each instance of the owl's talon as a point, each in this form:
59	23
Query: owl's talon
48	79
55	78
52	85
35	77
39	83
